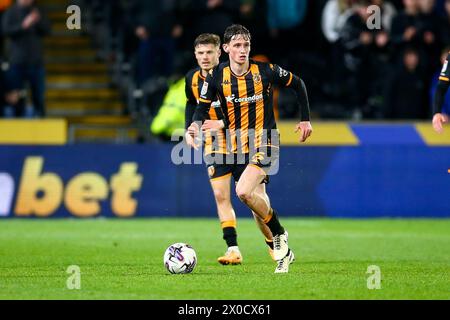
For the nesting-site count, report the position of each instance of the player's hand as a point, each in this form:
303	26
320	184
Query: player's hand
190	141
213	125
193	130
438	120
305	129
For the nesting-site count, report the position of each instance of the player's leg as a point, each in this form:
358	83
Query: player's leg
250	179
245	189
283	264
227	217
261	190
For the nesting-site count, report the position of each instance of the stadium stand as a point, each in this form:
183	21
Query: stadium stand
94	75
79	82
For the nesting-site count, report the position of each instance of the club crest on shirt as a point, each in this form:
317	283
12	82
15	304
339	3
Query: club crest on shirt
257	78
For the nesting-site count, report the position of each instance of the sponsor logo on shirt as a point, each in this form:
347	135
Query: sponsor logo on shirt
233	99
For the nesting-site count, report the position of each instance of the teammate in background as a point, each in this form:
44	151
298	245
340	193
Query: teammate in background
207	53
444	82
245	90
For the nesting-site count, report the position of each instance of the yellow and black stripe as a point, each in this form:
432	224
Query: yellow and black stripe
247	103
249	107
197	81
214	143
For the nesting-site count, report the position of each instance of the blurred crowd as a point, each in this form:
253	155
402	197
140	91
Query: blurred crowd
386	71
391	71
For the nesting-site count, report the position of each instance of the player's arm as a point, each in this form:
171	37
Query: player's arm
207	95
287	79
191	105
215	125
444	83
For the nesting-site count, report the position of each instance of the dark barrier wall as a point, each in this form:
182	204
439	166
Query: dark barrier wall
142	181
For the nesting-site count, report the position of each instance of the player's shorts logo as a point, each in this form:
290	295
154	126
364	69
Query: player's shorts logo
258	157
211	171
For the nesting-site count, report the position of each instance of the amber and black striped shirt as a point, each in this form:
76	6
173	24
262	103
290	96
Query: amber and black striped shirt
194	82
247	102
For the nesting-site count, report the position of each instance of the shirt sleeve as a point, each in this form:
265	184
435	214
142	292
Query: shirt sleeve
281	77
207	95
284	78
191	102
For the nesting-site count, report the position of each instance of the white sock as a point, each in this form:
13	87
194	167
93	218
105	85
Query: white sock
235	249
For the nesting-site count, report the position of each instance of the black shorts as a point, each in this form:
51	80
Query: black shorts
221	165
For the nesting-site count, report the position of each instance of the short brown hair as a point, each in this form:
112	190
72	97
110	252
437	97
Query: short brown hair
236	30
207	38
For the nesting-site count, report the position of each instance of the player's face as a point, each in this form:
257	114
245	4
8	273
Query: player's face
238	49
207	56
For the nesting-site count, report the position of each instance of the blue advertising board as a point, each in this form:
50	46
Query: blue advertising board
142	181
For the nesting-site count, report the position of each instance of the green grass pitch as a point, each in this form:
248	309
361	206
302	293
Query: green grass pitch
122	259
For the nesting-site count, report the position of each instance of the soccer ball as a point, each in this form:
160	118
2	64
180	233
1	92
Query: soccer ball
180	258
